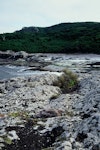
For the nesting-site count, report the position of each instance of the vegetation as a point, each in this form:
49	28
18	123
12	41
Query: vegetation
81	37
21	114
68	81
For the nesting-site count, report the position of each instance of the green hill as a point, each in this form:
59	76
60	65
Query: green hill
81	37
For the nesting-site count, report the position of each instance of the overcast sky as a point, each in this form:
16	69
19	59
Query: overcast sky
15	14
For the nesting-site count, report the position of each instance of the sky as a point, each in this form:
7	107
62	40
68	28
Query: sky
16	14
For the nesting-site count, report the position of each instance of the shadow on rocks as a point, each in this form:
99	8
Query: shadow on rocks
31	139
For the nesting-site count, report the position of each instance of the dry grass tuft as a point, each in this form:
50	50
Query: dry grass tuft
67	81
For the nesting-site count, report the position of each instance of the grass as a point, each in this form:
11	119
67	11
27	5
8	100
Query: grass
21	114
68	81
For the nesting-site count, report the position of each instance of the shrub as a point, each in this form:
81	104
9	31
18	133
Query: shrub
67	81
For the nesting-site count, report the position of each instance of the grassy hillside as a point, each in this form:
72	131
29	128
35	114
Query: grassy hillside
62	38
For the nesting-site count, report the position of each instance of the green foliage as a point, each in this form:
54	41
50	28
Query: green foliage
67	81
62	38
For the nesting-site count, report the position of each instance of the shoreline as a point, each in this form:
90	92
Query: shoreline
33	108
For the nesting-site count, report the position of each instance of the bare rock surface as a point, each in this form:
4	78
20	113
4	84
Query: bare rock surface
36	115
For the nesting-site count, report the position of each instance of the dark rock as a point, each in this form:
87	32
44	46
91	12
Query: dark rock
6	54
94	64
49	113
96	147
81	137
31	139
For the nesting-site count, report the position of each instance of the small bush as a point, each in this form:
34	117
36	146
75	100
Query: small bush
67	81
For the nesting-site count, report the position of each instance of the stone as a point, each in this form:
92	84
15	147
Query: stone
39	116
49	113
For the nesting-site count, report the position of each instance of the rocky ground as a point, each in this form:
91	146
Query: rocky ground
36	115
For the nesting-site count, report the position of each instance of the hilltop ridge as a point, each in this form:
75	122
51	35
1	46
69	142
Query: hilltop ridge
83	37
